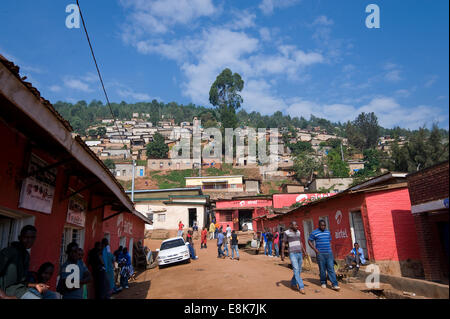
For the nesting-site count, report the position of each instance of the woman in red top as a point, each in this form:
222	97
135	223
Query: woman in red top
204	235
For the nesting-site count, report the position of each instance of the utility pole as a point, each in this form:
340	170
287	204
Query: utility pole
132	182
342	153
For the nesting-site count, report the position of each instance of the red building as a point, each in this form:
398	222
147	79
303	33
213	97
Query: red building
49	178
428	191
249	209
376	214
241	210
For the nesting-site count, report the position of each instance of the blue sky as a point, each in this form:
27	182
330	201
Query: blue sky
301	57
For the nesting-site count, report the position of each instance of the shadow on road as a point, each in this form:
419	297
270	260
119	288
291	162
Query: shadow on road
137	290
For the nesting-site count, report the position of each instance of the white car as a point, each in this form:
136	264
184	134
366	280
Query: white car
173	250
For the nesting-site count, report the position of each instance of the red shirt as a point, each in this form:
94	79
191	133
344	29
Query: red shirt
204	233
180	226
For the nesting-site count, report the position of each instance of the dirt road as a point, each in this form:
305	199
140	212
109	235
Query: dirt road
252	277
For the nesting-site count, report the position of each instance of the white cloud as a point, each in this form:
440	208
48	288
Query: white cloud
55	88
431	80
393	76
389	112
268	6
83	83
323	20
242	20
158	16
128	93
265	34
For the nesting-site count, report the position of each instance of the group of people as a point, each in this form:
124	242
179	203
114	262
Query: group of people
227	239
271	242
320	242
106	269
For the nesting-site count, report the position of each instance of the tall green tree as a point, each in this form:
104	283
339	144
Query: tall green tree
224	95
157	148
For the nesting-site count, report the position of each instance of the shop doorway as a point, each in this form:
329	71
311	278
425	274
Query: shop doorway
192	216
245	219
357	231
308	227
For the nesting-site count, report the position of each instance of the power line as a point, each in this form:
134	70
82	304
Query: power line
100	75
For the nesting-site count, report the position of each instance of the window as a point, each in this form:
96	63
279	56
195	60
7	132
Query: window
69	235
118	173
124	172
233	186
226	217
161	218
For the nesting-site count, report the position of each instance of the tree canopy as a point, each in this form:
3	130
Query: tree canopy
157	148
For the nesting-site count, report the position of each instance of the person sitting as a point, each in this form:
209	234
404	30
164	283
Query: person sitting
14	263
356	256
43	275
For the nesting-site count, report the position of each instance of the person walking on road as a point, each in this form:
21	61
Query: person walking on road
225	244
220	238
228	230
265	242
324	254
292	238
276	241
269	244
212	230
234	245
180	229
204	235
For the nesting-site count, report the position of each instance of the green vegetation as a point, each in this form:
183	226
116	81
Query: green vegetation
224	95
157	148
172	179
109	163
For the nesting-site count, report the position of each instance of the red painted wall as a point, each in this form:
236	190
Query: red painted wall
340	232
244	203
392	225
287	200
50	226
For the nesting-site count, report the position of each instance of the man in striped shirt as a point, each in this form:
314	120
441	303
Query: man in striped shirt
322	238
292	237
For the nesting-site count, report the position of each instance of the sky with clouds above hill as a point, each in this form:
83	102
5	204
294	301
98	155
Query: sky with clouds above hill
300	57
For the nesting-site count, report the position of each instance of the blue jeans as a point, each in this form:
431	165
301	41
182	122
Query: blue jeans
297	261
326	265
46	295
219	250
180	233
269	249
123	281
234	248
192	252
277	250
225	249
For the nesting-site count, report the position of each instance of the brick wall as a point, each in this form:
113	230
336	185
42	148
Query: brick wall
429	243
429	184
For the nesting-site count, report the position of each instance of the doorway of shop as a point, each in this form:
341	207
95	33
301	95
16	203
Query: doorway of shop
245	219
192	216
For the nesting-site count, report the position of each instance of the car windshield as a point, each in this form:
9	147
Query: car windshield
172	244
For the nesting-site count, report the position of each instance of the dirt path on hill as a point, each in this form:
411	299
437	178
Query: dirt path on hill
253	277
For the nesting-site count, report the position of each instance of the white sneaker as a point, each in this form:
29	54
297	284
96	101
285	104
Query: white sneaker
336	288
323	286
